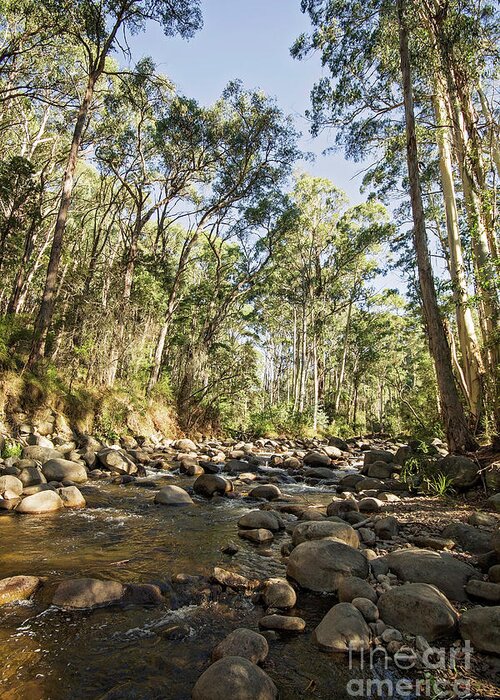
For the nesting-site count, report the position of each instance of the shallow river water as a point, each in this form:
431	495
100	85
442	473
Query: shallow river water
146	653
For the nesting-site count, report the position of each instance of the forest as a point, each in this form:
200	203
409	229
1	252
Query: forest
249	400
165	247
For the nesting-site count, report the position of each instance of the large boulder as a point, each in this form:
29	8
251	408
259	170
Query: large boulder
17	588
173	496
209	485
320	530
116	461
481	626
88	593
343	629
418	609
245	643
462	471
236	678
63	469
440	569
372	456
321	565
42	502
495	541
380	470
260	519
492	477
41	454
320	473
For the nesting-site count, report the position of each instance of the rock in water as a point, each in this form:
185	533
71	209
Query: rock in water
481	626
282	623
61	469
72	497
342	629
173	496
419	609
116	461
245	643
42	502
17	588
266	491
185	445
259	535
84	593
278	593
257	519
11	484
211	484
234	678
321	565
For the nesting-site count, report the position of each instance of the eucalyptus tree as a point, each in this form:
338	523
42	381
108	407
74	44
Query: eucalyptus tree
247	148
95	27
368	90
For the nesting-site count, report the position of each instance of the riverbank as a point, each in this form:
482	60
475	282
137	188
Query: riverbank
297	541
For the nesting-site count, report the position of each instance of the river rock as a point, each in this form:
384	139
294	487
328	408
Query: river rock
42	502
343	629
185	445
173	496
380	470
372	456
321	565
72	497
341	507
316	459
268	492
324	530
259	535
282	623
17	588
320	473
87	593
236	678
116	461
350	481
41	454
419	609
386	528
492	477
468	537
142	594
495	542
278	593
12	485
367	608
481	626
209	485
238	466
353	587
442	570
63	469
244	643
232	579
31	476
370	505
257	519
494	573
462	471
484	590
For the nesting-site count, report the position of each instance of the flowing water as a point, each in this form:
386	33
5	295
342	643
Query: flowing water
139	652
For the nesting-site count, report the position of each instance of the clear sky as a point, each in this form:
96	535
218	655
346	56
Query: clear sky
250	40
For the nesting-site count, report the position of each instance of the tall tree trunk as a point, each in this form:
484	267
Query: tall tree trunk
472	365
458	435
340	380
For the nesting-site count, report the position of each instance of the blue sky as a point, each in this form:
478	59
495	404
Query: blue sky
250	40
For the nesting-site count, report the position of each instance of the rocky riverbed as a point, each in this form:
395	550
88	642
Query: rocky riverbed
177	569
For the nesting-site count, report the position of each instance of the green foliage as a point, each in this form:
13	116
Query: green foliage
12	449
